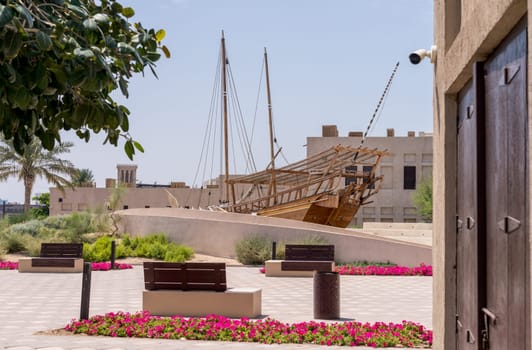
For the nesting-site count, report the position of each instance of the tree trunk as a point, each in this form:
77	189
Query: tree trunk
28	187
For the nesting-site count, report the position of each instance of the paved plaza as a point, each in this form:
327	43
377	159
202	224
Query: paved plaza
33	302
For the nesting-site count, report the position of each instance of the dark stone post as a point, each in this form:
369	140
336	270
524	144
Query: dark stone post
113	253
274	250
85	291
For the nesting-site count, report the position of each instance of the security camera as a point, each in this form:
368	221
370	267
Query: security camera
418	55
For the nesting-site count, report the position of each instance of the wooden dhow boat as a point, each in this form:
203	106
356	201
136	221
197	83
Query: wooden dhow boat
327	188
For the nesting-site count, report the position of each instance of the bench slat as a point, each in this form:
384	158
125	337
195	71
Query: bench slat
185	276
306	266
52	262
309	252
61	250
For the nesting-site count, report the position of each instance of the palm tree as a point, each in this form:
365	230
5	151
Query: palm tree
35	162
82	177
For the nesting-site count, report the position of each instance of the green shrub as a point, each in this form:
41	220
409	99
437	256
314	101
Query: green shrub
55	222
156	238
31	227
100	250
254	250
152	246
32	245
156	250
178	253
76	226
13	219
14	243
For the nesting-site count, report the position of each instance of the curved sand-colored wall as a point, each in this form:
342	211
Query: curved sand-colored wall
216	234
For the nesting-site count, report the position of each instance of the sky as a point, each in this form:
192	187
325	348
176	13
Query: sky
329	62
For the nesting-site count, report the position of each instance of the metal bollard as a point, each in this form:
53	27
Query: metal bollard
85	291
113	254
274	250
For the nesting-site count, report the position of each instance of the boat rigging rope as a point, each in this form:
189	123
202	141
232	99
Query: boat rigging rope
257	104
209	130
376	112
240	124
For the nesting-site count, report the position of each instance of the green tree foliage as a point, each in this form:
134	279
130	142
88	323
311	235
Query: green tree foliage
35	162
422	199
43	200
82	177
59	62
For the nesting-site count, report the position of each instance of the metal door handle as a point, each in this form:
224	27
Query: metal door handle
470	223
508	224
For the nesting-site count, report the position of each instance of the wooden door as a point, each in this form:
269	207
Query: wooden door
506	214
470	219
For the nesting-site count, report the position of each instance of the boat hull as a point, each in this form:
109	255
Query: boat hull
321	209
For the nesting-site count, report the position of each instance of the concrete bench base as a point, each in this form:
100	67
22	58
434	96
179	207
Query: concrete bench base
25	265
273	269
234	302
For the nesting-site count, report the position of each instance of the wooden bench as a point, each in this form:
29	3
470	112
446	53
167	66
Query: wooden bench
55	257
301	260
196	289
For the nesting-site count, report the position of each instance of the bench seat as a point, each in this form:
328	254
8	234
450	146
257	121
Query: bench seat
234	302
74	265
296	268
301	260
55	257
196	289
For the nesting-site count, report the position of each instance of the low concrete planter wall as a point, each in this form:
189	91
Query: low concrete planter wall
216	233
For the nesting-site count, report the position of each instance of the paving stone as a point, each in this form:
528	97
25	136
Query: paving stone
39	302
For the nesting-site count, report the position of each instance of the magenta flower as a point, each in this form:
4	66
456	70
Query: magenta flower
268	331
96	266
8	265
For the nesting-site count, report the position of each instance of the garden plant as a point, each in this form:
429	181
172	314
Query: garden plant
267	331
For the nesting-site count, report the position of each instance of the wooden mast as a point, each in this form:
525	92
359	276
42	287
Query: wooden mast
273	186
225	118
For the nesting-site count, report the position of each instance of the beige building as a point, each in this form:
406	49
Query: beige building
136	195
410	164
482	178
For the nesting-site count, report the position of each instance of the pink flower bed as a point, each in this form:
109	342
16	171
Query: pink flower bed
106	266
421	270
96	266
268	331
8	265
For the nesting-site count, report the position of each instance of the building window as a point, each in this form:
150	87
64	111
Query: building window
367	172
386	211
368	211
126	207
66	206
409	178
350	170
409	211
146	206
